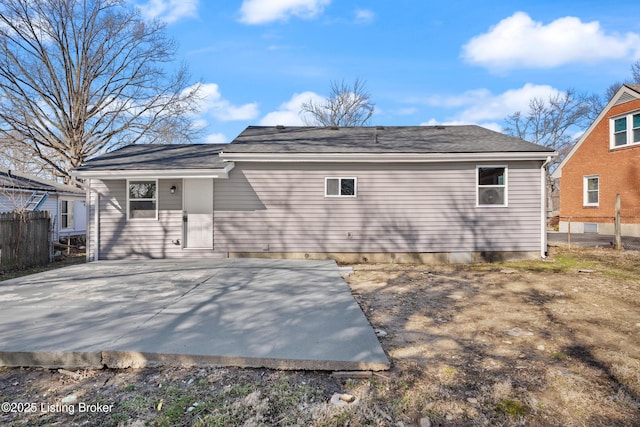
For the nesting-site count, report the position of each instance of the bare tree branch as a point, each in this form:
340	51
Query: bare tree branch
552	122
80	77
598	102
635	72
346	105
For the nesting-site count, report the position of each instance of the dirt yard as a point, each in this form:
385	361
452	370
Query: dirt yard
553	342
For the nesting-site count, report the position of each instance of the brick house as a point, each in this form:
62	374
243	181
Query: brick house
604	162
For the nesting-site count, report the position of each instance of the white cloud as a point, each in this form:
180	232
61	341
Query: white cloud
264	11
212	103
520	42
488	125
453	101
169	10
200	123
500	106
491	126
215	138
405	111
288	113
481	105
364	16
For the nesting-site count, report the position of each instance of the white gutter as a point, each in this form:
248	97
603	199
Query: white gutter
156	173
384	157
543	205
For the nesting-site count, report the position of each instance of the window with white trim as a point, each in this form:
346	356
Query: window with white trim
492	185
142	200
591	190
66	213
340	186
625	130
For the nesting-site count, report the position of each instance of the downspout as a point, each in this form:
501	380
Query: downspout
543	206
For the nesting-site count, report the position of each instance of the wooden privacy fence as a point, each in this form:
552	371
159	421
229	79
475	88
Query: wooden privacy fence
25	239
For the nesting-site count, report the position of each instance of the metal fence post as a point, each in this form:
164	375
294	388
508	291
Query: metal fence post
618	225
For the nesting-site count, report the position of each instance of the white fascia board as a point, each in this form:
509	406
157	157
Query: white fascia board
6	190
79	192
69	194
386	157
156	173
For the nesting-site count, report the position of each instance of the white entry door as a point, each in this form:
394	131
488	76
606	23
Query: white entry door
198	213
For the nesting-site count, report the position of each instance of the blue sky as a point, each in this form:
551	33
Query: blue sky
424	62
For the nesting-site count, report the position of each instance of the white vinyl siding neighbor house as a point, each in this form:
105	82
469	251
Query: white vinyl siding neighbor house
403	194
66	204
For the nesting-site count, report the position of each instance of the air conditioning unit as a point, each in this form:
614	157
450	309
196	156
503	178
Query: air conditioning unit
491	196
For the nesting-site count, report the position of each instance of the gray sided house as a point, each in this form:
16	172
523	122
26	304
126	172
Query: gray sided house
66	204
402	194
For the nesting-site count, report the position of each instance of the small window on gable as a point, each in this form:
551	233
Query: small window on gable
340	187
142	203
625	130
591	190
66	214
492	186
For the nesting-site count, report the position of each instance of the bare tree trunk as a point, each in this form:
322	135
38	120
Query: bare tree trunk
80	77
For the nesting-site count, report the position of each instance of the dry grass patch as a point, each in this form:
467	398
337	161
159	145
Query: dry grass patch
539	342
523	343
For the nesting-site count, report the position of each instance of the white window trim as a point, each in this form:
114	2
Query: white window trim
340	196
612	138
69	202
505	186
155	218
585	193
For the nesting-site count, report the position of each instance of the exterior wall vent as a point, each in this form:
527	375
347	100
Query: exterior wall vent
590	227
625	97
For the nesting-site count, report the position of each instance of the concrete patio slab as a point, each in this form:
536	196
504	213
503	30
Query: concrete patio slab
285	314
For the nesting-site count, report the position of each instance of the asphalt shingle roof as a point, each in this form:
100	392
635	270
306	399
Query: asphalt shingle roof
279	139
157	157
387	139
13	180
635	87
